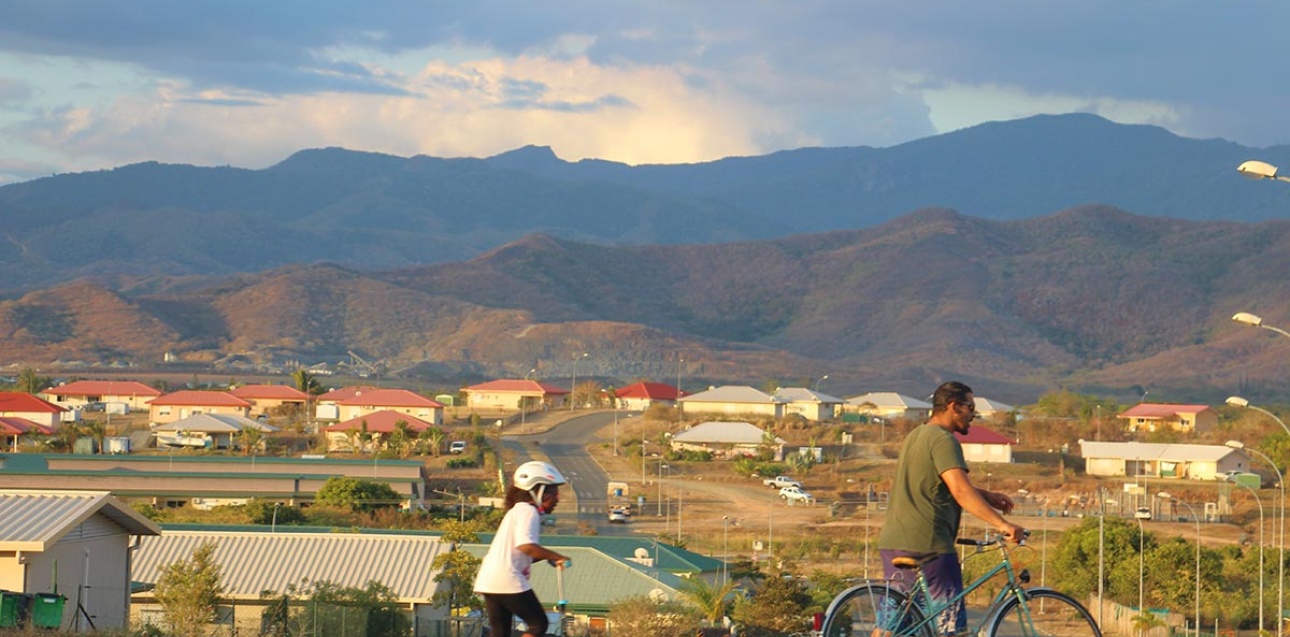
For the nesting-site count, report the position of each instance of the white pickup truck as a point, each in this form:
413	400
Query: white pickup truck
779	482
796	494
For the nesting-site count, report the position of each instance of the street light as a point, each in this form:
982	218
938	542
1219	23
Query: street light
1237	401
1255	169
1257	321
1165	496
1281	541
1261	541
524	408
1142	609
725	549
817	383
658	510
573	389
273	526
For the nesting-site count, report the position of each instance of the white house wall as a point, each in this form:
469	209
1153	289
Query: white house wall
774	410
96	552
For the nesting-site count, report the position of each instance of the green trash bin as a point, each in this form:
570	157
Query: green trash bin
9	603
47	610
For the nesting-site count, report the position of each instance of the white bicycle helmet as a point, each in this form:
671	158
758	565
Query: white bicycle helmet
537	473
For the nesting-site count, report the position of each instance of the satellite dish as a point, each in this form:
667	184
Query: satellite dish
641	553
658	596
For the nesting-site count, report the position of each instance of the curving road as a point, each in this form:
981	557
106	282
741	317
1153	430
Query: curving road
565	445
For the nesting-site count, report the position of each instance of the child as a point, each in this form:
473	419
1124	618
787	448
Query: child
503	577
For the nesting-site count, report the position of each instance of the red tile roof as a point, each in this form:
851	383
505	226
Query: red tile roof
269	392
652	391
200	398
389	398
103	388
20	402
12	426
1158	410
380	422
519	386
979	435
342	393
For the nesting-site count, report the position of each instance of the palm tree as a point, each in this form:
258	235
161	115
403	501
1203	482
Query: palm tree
402	438
711	600
433	438
250	439
96	430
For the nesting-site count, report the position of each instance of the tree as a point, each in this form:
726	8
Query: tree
710	600
640	615
250	439
29	382
433	437
776	608
401	438
96	430
458	569
306	382
357	495
188	591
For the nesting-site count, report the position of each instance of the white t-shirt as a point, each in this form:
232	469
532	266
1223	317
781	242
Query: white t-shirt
505	569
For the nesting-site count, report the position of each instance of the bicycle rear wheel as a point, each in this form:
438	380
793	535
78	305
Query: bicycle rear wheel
874	610
1046	613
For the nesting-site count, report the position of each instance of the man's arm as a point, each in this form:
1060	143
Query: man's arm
973	501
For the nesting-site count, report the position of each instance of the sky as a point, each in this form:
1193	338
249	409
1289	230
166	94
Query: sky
95	84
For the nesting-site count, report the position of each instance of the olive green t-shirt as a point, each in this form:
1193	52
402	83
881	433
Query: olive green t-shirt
922	515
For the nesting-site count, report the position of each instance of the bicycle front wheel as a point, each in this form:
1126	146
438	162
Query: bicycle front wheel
1045	613
874	610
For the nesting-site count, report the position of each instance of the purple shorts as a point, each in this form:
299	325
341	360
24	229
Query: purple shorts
944	581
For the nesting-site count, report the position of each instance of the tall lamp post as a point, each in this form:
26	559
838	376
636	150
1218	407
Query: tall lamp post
1165	496
1281	537
1260	503
658	509
725	549
817	383
1255	169
1142	608
1254	320
573	383
524	408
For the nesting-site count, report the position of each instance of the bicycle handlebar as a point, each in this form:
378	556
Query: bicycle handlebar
992	539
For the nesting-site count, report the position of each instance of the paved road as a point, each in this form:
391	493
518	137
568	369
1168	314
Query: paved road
565	445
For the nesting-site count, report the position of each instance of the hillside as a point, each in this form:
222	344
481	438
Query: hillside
377	212
1091	297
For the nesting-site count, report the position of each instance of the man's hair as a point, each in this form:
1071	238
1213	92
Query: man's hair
949	392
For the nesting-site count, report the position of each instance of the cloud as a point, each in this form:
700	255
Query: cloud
14	91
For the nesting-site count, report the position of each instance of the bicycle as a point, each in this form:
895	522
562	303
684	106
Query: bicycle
877	608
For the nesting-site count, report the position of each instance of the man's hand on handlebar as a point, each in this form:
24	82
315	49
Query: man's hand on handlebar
1015	533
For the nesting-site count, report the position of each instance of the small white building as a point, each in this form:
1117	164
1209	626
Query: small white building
1159	460
727	439
889	405
809	404
82	538
984	445
733	400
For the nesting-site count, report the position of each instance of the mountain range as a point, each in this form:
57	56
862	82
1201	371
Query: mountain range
1091	298
373	212
1054	251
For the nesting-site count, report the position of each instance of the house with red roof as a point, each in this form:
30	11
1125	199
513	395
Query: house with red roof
379	425
327	404
985	445
16	404
507	394
271	398
368	400
13	430
182	404
639	396
1153	417
77	394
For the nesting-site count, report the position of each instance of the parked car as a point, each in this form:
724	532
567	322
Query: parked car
457	446
779	482
1143	513
796	494
617	516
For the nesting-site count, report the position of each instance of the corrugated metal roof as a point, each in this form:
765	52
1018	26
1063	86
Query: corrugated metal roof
214	423
987	405
596	580
259	561
804	395
731	394
724	432
1159	410
889	399
36	520
1154	451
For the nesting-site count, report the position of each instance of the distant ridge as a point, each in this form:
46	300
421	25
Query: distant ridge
377	211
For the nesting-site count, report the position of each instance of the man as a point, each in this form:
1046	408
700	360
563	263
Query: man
928	496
